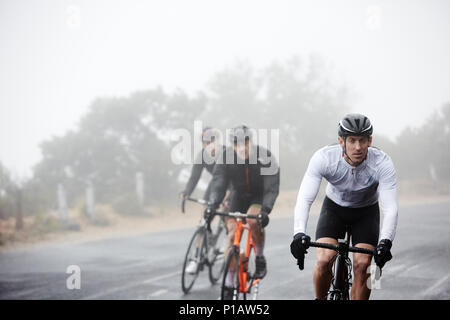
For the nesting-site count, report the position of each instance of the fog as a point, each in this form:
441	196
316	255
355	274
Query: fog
58	56
90	89
102	104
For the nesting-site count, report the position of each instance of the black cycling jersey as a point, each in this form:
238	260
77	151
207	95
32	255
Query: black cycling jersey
247	179
196	173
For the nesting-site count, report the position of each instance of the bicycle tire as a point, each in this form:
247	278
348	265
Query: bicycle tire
335	296
250	268
232	253
216	253
340	285
187	280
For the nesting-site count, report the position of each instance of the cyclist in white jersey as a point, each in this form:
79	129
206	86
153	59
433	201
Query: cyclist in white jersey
358	176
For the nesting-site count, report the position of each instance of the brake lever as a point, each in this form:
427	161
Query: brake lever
301	264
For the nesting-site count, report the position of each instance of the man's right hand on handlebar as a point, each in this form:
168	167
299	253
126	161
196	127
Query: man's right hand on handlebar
299	245
210	210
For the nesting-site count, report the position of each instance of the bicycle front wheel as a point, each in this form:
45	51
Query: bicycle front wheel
230	280
340	280
216	251
194	260
335	295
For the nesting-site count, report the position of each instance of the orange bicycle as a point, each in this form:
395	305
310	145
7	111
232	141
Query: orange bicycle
242	261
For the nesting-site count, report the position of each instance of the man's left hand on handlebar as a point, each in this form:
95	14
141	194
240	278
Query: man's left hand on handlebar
383	252
263	218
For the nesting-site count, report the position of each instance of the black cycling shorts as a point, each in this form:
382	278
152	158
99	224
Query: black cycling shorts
242	204
364	222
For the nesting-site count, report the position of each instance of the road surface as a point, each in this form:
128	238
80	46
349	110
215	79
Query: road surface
148	266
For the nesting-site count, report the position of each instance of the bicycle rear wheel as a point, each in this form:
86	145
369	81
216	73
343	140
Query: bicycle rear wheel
232	272
196	252
216	251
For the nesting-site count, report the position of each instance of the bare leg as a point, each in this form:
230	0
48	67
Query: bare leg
322	271
360	290
258	234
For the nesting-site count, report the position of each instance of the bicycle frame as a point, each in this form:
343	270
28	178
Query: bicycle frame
342	274
243	267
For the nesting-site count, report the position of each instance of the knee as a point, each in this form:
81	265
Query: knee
323	264
253	224
231	232
360	267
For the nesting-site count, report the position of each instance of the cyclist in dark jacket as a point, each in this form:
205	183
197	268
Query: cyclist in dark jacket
204	160
200	163
254	176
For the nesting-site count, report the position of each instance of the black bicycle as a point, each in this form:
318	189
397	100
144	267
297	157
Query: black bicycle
206	248
342	268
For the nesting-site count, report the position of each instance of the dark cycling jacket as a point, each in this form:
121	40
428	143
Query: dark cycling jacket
196	172
246	178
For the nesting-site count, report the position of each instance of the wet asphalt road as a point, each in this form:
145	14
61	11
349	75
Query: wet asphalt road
148	266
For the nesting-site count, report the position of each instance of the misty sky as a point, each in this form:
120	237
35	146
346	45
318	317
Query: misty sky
56	56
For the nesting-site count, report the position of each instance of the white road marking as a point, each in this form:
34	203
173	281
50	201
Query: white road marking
158	293
433	288
162	277
132	285
23	293
394	269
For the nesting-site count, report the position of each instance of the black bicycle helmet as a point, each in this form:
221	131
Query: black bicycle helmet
240	133
355	124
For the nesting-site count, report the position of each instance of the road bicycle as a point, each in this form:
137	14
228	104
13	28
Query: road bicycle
241	260
342	266
205	249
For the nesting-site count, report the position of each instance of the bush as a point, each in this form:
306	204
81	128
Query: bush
128	204
43	224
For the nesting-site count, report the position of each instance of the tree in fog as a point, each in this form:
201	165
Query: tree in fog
423	152
7	193
295	97
117	138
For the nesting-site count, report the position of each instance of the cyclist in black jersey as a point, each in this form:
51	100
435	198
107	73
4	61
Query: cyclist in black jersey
255	180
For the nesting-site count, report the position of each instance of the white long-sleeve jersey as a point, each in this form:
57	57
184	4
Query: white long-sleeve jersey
374	179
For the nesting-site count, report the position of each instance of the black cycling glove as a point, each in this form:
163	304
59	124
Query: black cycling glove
209	212
264	218
299	246
383	252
